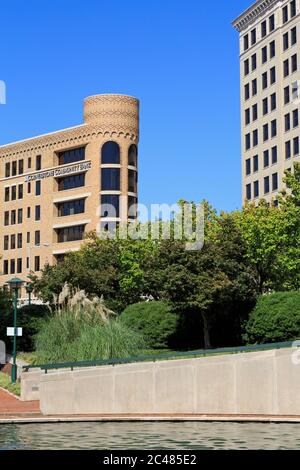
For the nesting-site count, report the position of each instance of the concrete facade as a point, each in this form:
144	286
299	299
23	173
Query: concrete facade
262	383
269	68
41	201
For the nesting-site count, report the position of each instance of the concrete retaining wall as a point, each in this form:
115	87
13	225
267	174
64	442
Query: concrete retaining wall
30	385
250	383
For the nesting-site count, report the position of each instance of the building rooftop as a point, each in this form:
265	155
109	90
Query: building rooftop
250	15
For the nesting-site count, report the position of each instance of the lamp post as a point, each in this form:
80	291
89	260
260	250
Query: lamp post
14	285
29	290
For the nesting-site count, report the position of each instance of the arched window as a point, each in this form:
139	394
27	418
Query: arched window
110	153
132	155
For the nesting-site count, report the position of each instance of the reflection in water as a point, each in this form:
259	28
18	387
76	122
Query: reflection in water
153	435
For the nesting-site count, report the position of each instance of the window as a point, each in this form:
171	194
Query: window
272	23
275	181
253	62
37	265
110	179
247	116
246	67
296	146
266	132
295	118
110	205
246	42
248	166
265	106
264	80
37	213
71	208
6	218
256	188
288	150
132	207
286	95
28	188
12	266
294	63
248	192
6	194
29	163
274	128
273	75
6	242
14	169
253	37
132	181
12	242
7	170
266	185
69	234
247	141
264	54
28	212
254	112
71	156
20	216
247	91
70	182
38	188
273	102
255	163
5	266
13	193
38	162
21	167
28	237
110	153
13	217
287	122
286	68
132	155
272	49
20	240
37	238
19	265
20	191
285	41
254	87
285	14
264	29
266	158
293	8
293	35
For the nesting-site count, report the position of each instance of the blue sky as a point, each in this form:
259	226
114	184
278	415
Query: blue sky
180	58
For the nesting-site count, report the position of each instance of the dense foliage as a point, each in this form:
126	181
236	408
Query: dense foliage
276	317
154	320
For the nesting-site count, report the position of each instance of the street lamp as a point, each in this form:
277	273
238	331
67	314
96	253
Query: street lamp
15	285
29	290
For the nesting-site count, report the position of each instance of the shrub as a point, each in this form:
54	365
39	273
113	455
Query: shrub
154	320
275	318
66	337
30	318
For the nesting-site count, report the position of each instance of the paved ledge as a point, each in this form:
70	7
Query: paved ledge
32	418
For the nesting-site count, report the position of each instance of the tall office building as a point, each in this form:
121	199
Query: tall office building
56	187
270	95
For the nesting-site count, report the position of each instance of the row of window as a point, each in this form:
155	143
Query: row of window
292	148
15	266
13	193
270	183
268	155
291	120
16	168
288	12
290	38
16	216
269	131
290	65
12	242
264	58
110	154
268	79
268	104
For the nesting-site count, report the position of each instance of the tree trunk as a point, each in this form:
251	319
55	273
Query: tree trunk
206	335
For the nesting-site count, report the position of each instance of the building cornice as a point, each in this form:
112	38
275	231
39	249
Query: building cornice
253	13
